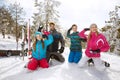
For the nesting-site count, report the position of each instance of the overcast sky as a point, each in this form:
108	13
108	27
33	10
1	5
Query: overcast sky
80	12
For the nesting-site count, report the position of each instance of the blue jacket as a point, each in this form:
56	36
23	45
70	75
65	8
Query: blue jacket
40	52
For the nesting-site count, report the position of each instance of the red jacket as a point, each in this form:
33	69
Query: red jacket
96	42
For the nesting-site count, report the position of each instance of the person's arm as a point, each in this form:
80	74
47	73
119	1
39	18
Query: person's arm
61	50
103	44
82	33
50	38
68	32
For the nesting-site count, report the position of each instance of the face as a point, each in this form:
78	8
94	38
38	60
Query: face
93	28
74	28
52	27
38	37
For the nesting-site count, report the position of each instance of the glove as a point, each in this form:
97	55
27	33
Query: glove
84	40
61	50
45	36
40	28
86	29
46	33
95	51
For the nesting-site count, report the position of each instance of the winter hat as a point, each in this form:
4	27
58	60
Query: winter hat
37	33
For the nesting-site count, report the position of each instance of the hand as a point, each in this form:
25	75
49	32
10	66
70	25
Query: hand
95	51
45	36
86	29
84	40
61	50
46	33
40	29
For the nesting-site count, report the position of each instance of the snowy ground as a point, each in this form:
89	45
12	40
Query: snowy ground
11	68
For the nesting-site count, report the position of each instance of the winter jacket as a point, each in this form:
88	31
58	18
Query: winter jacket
40	52
58	38
96	42
75	41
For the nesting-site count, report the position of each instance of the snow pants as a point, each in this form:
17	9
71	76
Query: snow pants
55	55
98	63
34	63
74	56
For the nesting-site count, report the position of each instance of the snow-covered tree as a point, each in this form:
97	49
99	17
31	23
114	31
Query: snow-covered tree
112	30
46	12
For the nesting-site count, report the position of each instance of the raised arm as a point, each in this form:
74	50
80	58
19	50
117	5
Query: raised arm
82	33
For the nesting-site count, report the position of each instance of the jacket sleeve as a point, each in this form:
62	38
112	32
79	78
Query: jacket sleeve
68	33
82	34
49	40
103	44
33	52
62	41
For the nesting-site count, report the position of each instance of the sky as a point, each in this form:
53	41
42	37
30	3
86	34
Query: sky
80	12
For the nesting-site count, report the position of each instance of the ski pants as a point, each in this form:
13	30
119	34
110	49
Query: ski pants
55	55
98	63
34	63
74	56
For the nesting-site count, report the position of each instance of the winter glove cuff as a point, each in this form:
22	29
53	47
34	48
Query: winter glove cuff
86	29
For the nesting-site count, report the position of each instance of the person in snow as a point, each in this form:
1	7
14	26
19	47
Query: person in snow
75	47
96	43
39	49
53	51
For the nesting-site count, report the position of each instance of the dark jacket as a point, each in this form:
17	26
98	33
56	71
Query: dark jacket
75	41
58	38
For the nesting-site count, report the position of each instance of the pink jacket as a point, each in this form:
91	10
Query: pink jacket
95	42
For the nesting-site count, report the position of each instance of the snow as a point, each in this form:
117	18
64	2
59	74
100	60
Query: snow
9	44
12	68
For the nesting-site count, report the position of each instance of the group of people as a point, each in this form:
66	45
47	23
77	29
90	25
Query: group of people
50	45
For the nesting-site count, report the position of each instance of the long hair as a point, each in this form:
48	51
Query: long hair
89	36
34	44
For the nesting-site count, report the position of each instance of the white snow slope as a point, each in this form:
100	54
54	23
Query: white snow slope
12	68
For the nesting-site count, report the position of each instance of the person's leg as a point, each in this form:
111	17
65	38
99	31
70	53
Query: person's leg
33	64
48	56
43	63
57	56
71	57
83	61
98	64
77	56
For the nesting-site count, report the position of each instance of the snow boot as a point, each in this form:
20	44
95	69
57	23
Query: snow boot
106	64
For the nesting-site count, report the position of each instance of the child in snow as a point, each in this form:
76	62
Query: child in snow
39	51
75	47
96	43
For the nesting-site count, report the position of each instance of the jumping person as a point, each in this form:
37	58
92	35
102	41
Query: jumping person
96	43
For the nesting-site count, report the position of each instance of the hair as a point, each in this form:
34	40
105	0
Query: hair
51	23
74	25
89	36
34	44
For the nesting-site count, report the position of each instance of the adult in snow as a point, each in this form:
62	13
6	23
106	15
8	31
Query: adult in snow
53	51
39	49
75	47
96	43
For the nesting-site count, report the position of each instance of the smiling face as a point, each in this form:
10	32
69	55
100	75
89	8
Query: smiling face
74	28
38	37
93	28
